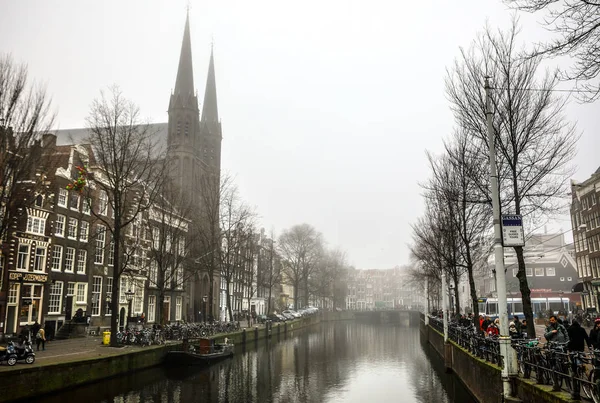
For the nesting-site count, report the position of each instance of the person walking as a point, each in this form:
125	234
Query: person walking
578	337
595	335
40	338
555	332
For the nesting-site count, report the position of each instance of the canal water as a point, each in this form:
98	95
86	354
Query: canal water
331	362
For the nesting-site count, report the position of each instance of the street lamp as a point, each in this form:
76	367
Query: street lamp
129	296
204	299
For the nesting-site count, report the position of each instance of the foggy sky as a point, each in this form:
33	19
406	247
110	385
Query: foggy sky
327	106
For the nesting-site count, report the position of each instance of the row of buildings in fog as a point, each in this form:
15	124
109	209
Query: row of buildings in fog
382	289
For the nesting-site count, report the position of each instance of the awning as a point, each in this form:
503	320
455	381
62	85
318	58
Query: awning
577	287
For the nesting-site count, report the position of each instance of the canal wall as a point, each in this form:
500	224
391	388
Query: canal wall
33	380
482	378
24	382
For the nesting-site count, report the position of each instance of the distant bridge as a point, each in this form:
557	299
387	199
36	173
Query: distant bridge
388	316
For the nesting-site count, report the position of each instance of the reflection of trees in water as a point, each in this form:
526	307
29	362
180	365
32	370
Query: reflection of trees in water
305	366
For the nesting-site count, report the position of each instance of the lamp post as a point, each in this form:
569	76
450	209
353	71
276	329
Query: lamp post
129	296
204	299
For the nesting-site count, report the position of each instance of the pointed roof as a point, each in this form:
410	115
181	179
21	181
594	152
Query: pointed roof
184	84
210	112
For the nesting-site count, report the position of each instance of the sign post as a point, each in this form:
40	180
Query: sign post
512	230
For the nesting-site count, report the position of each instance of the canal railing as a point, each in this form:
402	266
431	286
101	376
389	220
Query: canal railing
548	364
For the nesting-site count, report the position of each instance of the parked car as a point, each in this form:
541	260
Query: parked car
288	315
291	313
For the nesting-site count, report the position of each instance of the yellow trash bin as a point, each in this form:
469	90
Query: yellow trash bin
106	338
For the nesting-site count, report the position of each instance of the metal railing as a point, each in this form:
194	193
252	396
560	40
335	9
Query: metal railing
549	364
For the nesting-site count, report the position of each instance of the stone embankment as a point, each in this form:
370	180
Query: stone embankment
70	363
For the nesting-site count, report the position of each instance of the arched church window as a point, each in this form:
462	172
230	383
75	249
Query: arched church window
178	128
187	127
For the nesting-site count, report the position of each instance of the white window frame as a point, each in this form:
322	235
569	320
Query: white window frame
55	297
63	197
86	206
23	256
59	225
84	231
74	196
81	261
72	225
151	308
109	294
81	291
57	253
70	260
103	203
178	307
96	295
529	272
36	225
39	260
550	271
539	272
100	244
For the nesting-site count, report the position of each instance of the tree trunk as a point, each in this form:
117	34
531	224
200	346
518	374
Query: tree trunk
159	310
228	295
211	282
269	300
114	324
296	286
525	292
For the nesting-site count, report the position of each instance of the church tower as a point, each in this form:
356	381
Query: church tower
194	155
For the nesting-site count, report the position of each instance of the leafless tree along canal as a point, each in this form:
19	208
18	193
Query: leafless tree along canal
330	362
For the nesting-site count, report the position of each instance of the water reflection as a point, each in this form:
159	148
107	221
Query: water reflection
331	362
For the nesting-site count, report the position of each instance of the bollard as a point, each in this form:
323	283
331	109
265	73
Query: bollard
244	337
285	327
185	345
256	333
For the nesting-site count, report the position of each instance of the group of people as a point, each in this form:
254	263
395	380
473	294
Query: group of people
517	329
573	334
38	332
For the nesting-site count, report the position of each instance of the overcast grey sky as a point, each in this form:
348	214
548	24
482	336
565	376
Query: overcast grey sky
327	106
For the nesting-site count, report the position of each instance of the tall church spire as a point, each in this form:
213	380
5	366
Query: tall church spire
184	85
210	112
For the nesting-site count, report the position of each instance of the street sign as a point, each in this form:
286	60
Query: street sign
512	230
586	292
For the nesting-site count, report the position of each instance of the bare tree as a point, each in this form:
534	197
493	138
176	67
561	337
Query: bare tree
534	142
168	224
328	280
269	269
25	114
125	167
577	26
300	248
236	223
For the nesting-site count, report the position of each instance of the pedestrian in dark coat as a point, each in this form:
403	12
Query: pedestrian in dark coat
595	335
578	337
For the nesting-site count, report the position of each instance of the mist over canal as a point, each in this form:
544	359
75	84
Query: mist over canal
330	362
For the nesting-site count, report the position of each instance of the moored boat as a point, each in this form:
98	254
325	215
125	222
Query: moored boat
203	354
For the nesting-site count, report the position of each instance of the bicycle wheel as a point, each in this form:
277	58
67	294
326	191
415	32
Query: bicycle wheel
592	388
586	388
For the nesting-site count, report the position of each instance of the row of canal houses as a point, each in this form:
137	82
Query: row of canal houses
57	258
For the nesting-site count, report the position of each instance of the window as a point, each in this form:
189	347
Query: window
187	128
57	251
179	278
528	271
69	259
72	229
178	302
23	257
81	293
550	271
96	291
86	206
103	203
138	300
55	297
84	229
109	287
62	197
39	201
71	289
81	259
539	271
100	239
111	252
12	294
74	201
59	225
151	308
569	278
153	274
562	279
36	225
40	259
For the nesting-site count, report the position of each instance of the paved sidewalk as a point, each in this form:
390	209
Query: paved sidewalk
70	350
